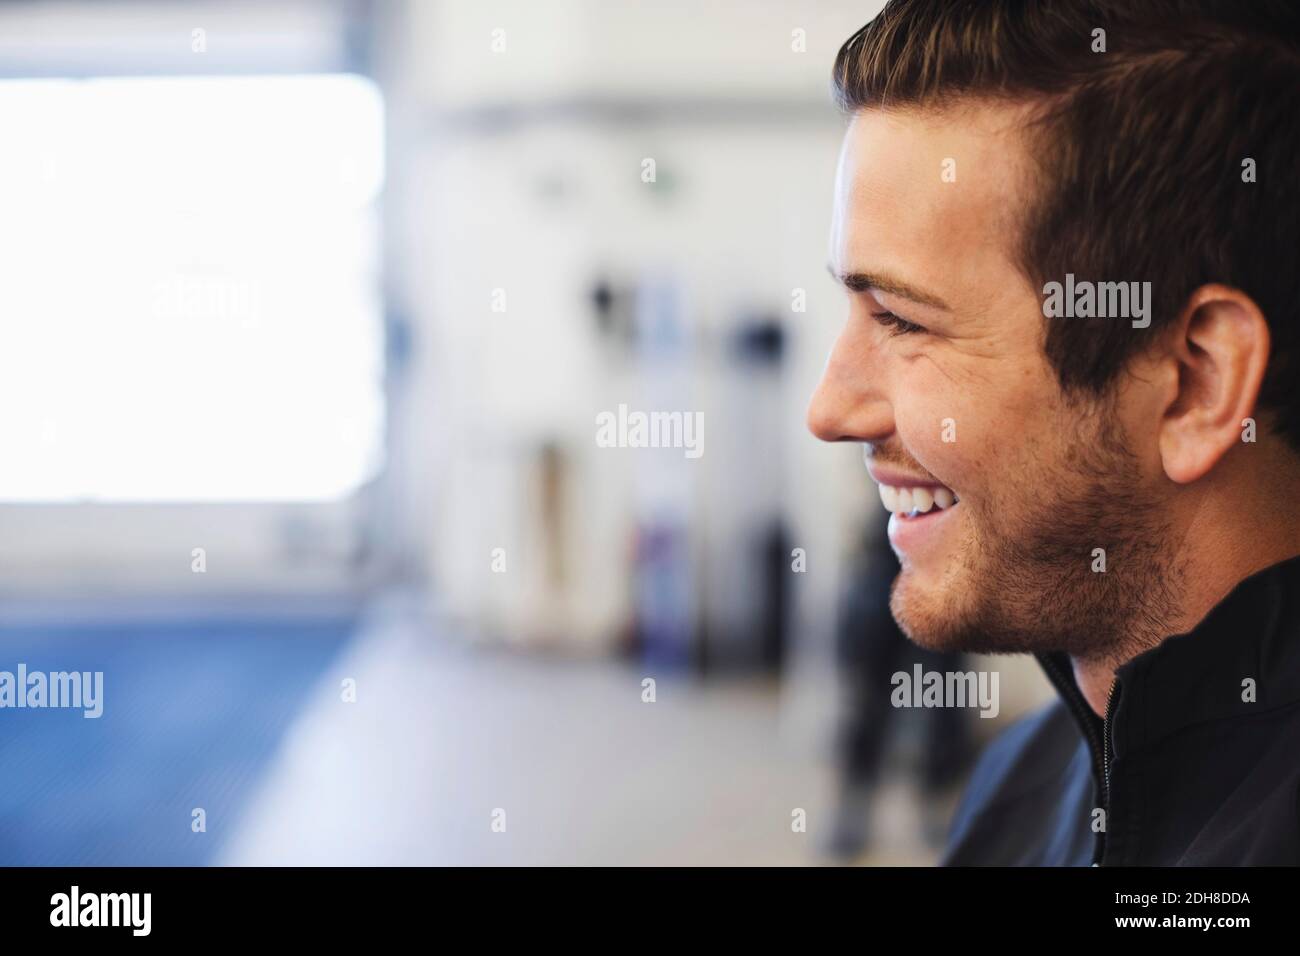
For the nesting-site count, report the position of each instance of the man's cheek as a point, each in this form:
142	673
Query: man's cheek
937	436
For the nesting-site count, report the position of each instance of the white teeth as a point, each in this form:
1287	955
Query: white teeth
889	497
915	500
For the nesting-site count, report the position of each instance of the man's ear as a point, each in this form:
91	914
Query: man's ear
1220	344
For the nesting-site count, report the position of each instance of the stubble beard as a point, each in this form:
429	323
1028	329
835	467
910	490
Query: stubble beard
1028	580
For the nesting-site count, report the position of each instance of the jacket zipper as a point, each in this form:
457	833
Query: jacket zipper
1075	703
1074	700
1105	747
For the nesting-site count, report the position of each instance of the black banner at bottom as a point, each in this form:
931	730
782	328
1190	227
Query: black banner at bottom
334	906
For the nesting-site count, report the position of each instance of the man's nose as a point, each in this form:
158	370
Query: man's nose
848	404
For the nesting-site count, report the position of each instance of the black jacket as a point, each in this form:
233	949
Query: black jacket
1187	771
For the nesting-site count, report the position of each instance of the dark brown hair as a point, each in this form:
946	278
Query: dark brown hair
1140	149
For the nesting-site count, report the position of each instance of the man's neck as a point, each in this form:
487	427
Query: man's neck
1227	535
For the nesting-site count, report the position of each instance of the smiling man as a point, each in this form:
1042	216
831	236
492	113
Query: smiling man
1109	489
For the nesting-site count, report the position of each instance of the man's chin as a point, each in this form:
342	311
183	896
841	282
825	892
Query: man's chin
928	614
941	616
918	609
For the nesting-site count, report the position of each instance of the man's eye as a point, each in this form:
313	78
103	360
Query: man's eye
895	324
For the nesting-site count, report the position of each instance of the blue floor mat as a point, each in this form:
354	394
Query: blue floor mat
193	712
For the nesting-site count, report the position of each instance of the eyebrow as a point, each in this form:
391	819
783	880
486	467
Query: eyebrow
866	281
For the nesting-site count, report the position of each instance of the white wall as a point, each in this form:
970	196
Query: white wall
517	170
520	170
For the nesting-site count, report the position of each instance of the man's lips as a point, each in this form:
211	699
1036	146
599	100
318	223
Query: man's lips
900	479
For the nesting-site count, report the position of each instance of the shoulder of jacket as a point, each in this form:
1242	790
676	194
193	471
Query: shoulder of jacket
1034	752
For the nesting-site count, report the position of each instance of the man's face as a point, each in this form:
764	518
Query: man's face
965	416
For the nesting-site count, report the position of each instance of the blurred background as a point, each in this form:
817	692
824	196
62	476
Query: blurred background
310	312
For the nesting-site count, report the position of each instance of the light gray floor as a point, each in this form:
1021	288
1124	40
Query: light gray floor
442	735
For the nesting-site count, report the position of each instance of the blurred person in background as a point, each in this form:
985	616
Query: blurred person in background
871	650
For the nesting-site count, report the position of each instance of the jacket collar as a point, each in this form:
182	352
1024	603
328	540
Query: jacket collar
1241	659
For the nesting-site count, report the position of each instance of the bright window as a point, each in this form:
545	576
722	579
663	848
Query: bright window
189	290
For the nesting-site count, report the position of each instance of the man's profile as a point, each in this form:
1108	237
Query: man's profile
1068	230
